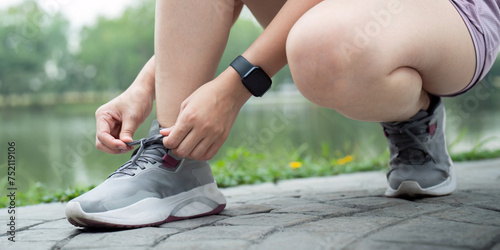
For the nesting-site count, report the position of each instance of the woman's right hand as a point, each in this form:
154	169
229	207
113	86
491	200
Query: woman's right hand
117	120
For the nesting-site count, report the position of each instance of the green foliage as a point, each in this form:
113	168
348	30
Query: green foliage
38	193
478	152
116	49
475	155
35	55
32	41
240	166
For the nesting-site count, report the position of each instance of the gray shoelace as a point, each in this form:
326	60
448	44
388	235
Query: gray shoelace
151	150
409	137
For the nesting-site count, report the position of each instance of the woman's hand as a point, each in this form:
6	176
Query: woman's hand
117	120
206	117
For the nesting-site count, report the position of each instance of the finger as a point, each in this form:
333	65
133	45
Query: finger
176	136
166	131
127	131
187	145
110	142
103	134
108	150
213	149
200	150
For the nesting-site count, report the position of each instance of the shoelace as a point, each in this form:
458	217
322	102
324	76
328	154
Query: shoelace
409	136
141	156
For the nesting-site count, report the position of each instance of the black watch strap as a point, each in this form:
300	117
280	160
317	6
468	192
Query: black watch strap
253	77
241	65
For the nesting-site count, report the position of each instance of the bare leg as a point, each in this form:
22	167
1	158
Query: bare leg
377	60
188	50
207	115
190	37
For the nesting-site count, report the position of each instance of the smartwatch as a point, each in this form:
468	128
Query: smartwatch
253	77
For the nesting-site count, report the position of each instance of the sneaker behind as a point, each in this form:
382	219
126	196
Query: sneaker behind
420	163
152	188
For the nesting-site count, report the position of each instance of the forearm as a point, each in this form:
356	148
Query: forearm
145	80
207	115
269	50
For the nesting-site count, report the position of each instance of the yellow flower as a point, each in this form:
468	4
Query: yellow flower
345	160
295	164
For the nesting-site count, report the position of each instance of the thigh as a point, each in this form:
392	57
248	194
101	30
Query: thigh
436	43
377	37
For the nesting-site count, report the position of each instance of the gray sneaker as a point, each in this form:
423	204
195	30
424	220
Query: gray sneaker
420	163
152	188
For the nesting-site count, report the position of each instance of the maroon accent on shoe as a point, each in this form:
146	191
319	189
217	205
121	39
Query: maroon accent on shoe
97	224
169	161
432	128
386	135
217	210
74	222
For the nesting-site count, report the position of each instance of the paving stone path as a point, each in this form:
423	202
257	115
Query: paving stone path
340	212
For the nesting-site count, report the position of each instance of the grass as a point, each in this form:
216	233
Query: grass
39	193
240	166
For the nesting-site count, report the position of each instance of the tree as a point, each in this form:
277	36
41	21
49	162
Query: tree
114	50
33	44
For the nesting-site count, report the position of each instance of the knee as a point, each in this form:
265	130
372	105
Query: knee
319	69
327	67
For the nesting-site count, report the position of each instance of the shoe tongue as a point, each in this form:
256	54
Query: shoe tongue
413	157
155	128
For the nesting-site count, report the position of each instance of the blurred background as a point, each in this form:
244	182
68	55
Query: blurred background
61	60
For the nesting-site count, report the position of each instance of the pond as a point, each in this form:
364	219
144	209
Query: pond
55	145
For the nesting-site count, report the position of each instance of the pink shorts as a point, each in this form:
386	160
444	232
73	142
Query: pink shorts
482	18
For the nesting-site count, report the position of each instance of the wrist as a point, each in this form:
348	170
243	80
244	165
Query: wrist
234	87
144	83
253	77
140	91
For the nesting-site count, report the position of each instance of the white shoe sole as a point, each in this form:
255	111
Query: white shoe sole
412	188
200	201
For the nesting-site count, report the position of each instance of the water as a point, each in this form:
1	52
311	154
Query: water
55	146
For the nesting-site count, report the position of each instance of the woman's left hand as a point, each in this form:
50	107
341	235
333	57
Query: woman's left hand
206	117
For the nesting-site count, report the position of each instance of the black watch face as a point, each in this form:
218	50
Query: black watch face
257	81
